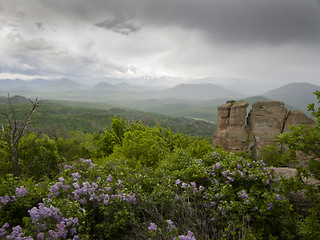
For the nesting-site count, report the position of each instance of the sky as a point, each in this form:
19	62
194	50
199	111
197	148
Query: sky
270	42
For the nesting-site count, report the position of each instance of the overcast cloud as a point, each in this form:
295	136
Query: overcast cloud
269	41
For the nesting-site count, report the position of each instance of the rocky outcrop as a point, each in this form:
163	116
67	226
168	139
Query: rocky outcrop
296	116
232	133
267	119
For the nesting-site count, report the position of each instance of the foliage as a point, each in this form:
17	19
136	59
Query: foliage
149	182
274	156
306	139
39	156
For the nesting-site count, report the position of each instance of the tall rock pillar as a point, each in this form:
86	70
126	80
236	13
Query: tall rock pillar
231	133
266	120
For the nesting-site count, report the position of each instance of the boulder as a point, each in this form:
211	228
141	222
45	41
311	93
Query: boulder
266	120
296	117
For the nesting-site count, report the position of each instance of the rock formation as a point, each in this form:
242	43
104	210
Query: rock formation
231	132
296	116
267	119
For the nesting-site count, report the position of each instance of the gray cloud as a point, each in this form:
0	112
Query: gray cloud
257	39
125	27
245	22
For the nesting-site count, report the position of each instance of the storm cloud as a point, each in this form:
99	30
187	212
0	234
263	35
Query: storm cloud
261	40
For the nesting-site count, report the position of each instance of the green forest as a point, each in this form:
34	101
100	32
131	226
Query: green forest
116	177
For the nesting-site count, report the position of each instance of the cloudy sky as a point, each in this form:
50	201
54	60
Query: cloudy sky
265	41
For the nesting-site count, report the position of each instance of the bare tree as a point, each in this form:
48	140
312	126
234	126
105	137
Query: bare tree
17	130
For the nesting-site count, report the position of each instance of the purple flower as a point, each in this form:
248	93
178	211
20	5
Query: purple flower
238	166
193	184
202	188
230	179
184	185
243	194
61	179
218	165
21	192
278	197
132	199
189	236
152	227
270	205
170	225
5	226
109	178
120	183
40	235
220	209
178	181
76	175
5	199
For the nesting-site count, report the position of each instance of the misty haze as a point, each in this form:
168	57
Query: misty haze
159	119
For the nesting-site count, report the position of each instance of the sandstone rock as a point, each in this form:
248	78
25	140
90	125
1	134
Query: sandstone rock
296	117
266	120
231	133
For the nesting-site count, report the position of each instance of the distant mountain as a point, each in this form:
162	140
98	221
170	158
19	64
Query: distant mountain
105	86
198	92
295	94
63	85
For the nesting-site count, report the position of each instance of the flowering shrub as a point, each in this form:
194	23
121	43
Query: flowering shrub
169	231
84	203
150	176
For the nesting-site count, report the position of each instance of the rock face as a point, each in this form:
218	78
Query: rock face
231	133
296	116
267	119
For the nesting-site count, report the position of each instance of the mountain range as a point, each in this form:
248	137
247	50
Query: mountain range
188	100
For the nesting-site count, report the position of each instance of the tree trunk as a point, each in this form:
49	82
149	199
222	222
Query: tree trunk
15	161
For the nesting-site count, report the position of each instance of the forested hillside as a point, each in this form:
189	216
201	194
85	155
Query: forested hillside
59	118
134	181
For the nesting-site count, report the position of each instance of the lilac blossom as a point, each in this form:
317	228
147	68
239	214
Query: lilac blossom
170	225
184	185
152	227
178	181
4	200
3	229
109	178
218	165
189	236
76	176
238	166
21	192
243	194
